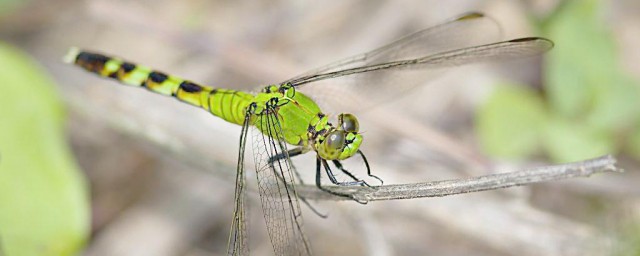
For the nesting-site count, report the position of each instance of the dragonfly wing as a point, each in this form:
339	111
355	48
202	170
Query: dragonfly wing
402	65
276	187
467	30
237	237
521	47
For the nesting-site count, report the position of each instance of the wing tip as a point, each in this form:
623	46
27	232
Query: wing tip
547	44
71	55
470	16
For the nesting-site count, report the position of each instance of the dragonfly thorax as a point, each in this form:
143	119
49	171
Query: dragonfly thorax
330	142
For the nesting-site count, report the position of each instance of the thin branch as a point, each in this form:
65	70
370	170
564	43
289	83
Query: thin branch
460	186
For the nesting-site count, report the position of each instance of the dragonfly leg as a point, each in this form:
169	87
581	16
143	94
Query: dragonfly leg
333	179
345	171
366	163
320	162
291	153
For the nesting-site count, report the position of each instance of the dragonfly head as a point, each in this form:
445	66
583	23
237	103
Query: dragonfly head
340	142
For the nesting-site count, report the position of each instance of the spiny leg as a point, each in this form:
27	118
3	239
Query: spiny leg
333	179
291	153
339	165
366	163
345	171
319	183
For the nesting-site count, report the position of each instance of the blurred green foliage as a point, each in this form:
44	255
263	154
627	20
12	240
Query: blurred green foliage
590	104
43	202
7	6
627	241
516	127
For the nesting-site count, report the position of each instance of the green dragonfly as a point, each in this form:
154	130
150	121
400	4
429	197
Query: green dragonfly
285	122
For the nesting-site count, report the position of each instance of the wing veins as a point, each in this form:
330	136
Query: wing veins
237	238
500	50
398	44
283	239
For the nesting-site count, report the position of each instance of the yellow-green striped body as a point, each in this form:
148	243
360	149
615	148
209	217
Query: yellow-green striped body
229	105
300	118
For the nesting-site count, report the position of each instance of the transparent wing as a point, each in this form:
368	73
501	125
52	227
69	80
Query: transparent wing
237	237
467	30
411	61
521	47
275	184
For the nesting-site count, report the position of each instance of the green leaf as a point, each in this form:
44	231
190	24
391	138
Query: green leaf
616	106
584	79
43	198
633	144
626	238
567	141
7	6
509	124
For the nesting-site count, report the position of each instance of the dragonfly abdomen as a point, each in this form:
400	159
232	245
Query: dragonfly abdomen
229	105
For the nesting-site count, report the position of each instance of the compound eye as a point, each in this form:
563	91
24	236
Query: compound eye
335	140
348	122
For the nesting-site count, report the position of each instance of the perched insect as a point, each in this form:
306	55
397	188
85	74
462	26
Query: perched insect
280	115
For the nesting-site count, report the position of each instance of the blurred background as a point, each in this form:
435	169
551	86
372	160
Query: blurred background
90	167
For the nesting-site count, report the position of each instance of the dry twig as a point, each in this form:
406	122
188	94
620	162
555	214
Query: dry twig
460	186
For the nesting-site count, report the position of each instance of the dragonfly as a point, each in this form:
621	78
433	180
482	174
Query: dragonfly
285	121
